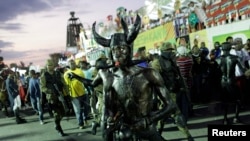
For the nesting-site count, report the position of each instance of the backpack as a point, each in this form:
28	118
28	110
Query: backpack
53	79
170	73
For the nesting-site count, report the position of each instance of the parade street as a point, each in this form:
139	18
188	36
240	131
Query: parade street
33	131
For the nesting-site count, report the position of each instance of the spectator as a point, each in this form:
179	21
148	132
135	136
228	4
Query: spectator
77	93
2	65
35	95
244	59
230	91
184	62
14	97
217	50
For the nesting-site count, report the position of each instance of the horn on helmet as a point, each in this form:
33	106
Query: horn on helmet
134	30
125	27
99	39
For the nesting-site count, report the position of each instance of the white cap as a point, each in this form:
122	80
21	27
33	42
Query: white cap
153	51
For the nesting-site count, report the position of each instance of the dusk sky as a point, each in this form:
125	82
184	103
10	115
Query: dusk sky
30	30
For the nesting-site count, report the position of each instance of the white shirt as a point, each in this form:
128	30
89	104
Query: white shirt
243	55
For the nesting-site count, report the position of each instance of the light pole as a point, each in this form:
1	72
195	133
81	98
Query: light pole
73	29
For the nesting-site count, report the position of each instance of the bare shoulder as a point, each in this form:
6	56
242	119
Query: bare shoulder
141	70
151	74
150	70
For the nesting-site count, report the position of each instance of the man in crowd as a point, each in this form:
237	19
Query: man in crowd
49	81
2	65
77	93
35	93
227	64
14	97
3	91
244	58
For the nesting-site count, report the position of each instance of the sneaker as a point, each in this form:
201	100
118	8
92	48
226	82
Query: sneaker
226	121
237	120
190	138
41	122
51	115
86	123
62	134
20	120
80	127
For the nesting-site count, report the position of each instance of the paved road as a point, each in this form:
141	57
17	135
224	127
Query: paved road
33	131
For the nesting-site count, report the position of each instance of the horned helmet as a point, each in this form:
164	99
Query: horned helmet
120	39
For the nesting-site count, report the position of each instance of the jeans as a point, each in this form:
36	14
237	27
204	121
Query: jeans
79	105
37	106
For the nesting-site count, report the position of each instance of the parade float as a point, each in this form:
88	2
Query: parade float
164	20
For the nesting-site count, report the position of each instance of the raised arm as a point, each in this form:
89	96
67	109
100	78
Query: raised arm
162	92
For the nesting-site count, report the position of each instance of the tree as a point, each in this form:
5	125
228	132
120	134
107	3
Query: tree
22	65
13	65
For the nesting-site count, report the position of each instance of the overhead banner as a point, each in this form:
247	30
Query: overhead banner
227	9
199	36
155	36
245	34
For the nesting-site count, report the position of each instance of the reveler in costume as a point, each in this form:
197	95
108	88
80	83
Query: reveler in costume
128	91
227	64
48	80
96	102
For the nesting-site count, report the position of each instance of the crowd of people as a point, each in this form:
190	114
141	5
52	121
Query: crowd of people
134	95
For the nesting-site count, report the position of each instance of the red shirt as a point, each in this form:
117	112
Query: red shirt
185	65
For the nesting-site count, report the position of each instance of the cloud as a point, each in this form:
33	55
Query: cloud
11	26
12	8
11	56
33	29
4	44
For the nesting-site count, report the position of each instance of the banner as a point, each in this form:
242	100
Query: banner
210	20
200	36
215	10
244	9
227	9
155	36
226	6
239	4
245	34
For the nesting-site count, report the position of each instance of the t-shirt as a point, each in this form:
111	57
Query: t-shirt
76	87
185	65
